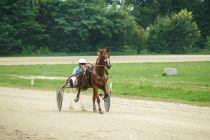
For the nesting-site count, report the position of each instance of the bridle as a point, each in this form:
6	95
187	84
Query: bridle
105	62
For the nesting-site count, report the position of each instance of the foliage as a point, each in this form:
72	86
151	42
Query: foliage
75	26
72	26
64	26
137	37
207	44
203	20
18	28
175	34
146	12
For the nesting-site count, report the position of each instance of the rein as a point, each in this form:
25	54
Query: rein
100	65
96	65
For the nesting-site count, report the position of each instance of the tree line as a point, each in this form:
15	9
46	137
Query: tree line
146	26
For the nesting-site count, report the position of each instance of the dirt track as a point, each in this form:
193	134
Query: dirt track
92	59
27	114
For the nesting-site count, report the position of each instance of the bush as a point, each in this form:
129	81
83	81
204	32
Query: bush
207	44
175	34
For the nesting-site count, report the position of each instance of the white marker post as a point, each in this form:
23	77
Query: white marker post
32	81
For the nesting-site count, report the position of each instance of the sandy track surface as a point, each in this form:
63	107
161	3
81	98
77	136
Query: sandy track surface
27	114
92	59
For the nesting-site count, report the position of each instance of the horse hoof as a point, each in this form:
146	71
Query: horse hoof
76	99
101	112
94	110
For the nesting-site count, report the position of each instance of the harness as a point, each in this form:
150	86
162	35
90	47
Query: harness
90	71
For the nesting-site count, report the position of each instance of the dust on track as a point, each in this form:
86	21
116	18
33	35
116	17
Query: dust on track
32	114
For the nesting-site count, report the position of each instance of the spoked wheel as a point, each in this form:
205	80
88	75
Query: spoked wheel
59	97
107	101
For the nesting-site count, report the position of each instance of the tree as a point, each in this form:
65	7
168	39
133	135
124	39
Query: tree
207	44
174	35
118	27
203	20
136	37
190	5
75	26
19	30
145	11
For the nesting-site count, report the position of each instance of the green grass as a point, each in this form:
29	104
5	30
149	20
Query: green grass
141	80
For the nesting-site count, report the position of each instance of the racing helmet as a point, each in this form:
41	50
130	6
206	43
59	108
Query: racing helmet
82	61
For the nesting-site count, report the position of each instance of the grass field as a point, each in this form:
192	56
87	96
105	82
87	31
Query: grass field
139	81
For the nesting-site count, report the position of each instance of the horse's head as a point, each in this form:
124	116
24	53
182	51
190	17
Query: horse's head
104	56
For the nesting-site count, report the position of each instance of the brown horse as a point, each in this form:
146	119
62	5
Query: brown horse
97	79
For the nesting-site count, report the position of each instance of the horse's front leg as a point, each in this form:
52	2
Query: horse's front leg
94	104
105	92
96	96
99	104
78	95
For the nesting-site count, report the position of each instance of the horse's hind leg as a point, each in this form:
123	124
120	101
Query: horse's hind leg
78	95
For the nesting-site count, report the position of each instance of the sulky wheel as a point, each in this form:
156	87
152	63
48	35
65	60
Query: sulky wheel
107	101
59	97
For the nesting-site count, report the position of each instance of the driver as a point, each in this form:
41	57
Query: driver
76	71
